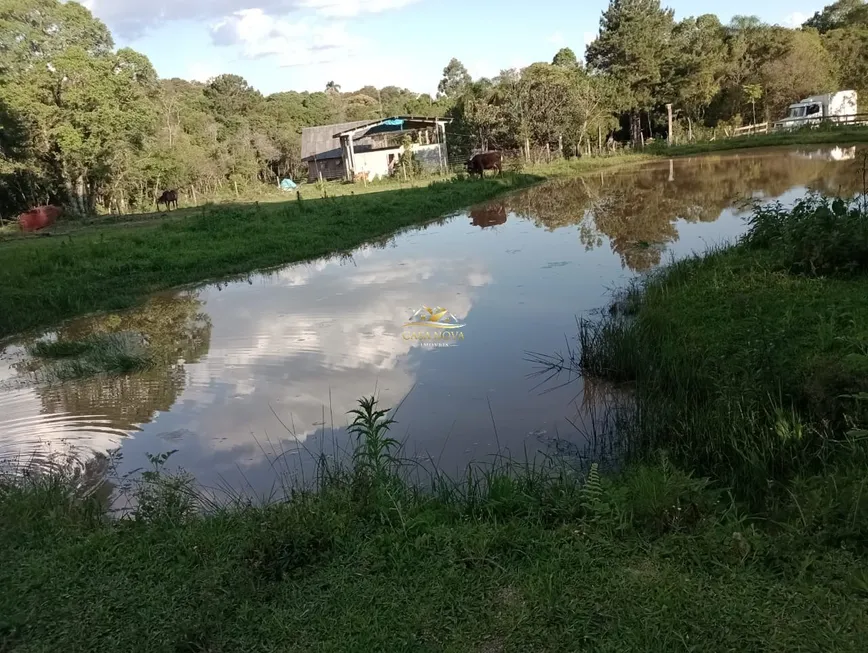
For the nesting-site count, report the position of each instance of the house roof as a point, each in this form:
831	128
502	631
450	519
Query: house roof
321	141
393	124
324	142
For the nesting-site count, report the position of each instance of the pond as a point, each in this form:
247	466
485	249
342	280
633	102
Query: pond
256	375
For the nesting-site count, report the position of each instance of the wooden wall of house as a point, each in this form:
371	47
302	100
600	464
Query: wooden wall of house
331	169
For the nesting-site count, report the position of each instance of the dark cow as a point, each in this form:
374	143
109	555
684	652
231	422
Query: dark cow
168	198
479	163
39	218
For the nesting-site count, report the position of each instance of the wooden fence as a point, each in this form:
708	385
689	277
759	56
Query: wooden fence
833	121
761	128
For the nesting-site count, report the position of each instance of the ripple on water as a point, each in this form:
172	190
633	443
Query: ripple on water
38	439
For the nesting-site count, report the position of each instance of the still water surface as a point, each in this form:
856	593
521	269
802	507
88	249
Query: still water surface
270	364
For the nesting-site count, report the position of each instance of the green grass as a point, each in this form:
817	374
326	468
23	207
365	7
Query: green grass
513	559
748	368
745	367
44	280
113	262
807	136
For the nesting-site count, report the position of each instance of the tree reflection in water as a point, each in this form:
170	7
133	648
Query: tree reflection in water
637	209
177	333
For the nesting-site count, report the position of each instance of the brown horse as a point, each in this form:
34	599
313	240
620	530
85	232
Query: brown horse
168	198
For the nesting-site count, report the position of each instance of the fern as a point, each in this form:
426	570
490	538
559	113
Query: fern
592	492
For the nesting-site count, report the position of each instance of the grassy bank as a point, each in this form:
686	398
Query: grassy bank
511	559
44	280
750	364
818	136
113	262
738	523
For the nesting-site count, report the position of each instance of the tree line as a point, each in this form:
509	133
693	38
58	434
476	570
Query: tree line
93	127
716	76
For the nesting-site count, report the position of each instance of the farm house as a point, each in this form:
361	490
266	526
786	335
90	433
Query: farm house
345	150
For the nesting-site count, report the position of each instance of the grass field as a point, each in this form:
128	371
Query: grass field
546	559
44	280
737	521
750	364
823	136
112	262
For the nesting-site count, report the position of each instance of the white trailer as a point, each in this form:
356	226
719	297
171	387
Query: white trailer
840	107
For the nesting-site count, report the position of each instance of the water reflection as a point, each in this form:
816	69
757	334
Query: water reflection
267	367
637	211
77	419
489	215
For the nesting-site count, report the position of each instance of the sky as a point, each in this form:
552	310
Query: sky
283	45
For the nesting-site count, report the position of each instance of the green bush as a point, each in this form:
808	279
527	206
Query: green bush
818	236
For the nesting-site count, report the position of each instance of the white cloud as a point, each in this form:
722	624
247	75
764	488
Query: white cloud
293	43
131	18
795	19
345	8
557	38
341	340
202	71
486	68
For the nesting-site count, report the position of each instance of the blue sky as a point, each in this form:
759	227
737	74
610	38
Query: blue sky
302	44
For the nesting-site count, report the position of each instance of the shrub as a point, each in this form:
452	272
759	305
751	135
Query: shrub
818	236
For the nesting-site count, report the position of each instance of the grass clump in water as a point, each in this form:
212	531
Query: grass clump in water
102	353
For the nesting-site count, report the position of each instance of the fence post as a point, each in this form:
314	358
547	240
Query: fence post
669	134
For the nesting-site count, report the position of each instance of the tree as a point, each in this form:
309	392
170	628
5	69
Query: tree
804	68
80	113
231	97
594	103
362	107
455	79
36	31
547	90
565	58
848	47
844	13
694	72
93	128
753	92
633	45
